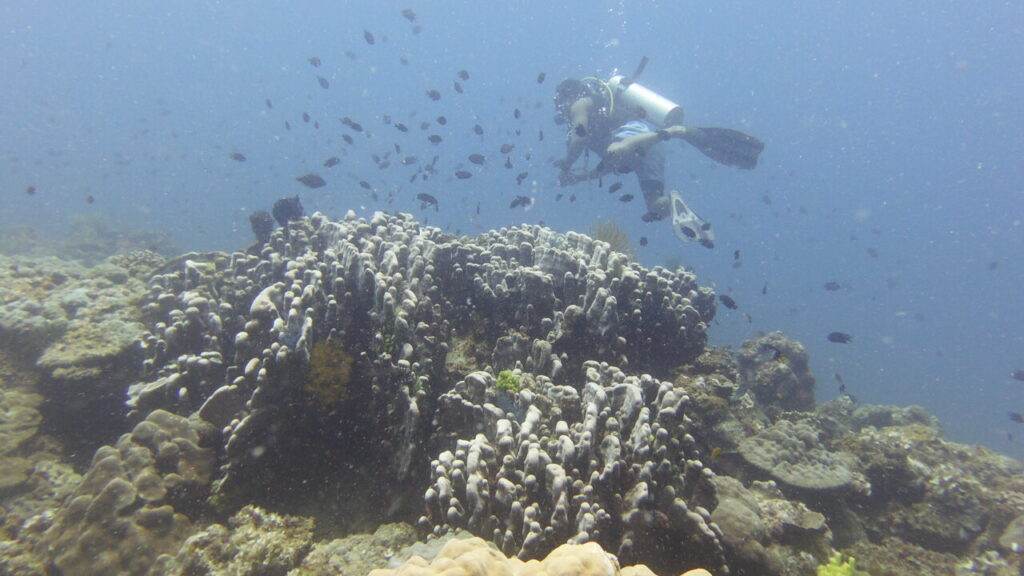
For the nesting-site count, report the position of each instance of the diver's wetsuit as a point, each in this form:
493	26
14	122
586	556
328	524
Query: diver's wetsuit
620	124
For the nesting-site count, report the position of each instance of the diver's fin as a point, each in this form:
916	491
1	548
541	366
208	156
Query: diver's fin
687	226
725	146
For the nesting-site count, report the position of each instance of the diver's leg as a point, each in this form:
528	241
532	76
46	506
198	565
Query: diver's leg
658	206
650	172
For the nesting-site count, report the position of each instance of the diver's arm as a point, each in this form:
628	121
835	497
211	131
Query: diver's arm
567	178
576	141
619	154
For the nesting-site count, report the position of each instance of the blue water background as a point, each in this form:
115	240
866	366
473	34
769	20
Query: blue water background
894	127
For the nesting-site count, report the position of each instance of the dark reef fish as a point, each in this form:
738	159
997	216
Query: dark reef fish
727	301
262	225
332	161
832	286
520	177
541	77
1017	417
463	75
427	200
457	86
311	181
644	241
839	337
626	198
401	127
477	158
323	82
435	139
839	379
368	37
315	61
287	209
1017	375
237	156
524	201
614	188
434	95
506	148
463	174
408	14
478	130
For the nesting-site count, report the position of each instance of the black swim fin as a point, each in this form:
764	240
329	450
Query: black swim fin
725	146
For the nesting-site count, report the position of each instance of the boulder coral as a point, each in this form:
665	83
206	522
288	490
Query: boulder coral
474	557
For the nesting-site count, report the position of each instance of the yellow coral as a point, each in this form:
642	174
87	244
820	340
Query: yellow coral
839	565
330	373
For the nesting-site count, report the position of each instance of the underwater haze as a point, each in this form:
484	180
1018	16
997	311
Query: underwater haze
887	203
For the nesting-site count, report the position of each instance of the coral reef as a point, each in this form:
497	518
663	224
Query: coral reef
254	542
776	369
231	336
80	328
539	391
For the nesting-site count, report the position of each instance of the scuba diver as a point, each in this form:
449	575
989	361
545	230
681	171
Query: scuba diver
624	123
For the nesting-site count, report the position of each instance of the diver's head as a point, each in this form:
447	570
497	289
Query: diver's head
567	92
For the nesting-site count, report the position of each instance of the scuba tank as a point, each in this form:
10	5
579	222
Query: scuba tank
651	106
